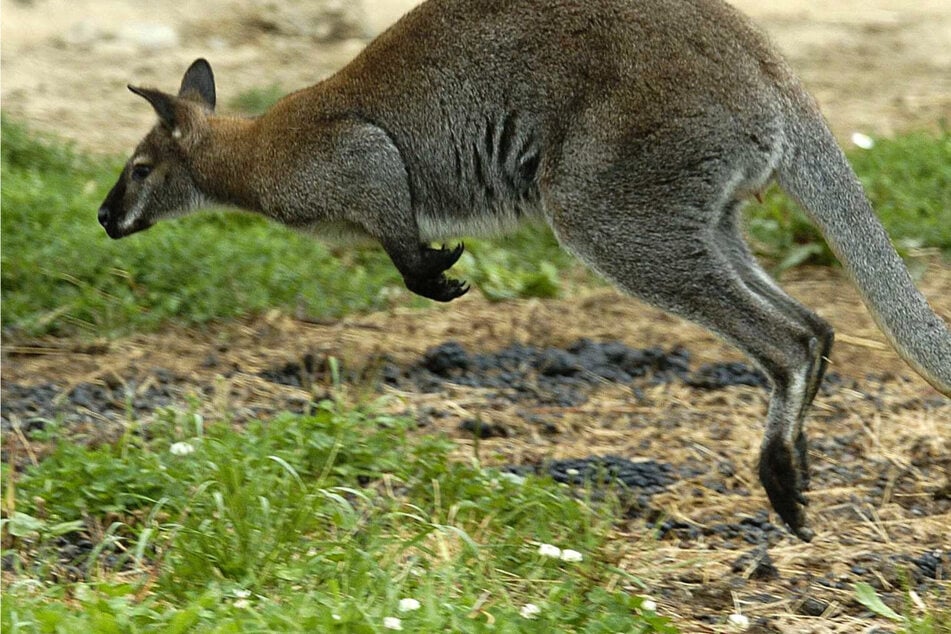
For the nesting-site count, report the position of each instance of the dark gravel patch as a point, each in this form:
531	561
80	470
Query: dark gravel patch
300	373
756	564
483	430
755	529
561	376
647	476
86	403
933	564
633	483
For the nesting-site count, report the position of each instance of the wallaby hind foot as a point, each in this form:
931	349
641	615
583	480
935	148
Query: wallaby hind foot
784	466
782	473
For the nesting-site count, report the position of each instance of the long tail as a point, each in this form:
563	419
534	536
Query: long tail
817	175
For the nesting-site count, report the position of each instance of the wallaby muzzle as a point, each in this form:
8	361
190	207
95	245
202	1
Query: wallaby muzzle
111	214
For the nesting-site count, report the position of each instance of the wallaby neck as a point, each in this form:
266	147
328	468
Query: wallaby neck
228	163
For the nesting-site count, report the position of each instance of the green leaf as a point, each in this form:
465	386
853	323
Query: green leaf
21	524
866	595
799	255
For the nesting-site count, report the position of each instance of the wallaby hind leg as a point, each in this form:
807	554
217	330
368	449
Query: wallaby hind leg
748	268
669	254
732	244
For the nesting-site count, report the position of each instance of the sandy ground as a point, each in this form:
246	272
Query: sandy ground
876	66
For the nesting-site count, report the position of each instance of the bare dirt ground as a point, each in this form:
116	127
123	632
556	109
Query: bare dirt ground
880	435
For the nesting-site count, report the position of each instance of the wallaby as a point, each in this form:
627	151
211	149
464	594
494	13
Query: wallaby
636	129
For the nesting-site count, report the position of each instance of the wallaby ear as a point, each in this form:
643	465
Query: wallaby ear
163	103
198	84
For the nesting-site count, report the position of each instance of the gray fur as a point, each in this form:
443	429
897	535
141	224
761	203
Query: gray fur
635	128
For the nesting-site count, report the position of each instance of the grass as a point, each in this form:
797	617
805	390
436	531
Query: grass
930	623
257	100
301	523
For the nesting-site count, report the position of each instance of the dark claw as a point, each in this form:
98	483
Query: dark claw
435	261
782	473
440	289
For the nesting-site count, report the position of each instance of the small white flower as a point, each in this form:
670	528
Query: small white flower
530	611
738	621
648	605
181	449
408	605
571	555
863	141
241	593
514	478
335	617
547	550
242	604
392	623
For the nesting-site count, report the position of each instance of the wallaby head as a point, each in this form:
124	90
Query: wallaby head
157	181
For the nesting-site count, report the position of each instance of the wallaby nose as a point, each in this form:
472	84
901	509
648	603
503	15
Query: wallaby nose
103	215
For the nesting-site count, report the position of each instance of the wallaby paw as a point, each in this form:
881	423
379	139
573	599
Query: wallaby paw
782	472
435	261
440	288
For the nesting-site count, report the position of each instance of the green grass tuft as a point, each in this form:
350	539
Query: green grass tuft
302	523
257	100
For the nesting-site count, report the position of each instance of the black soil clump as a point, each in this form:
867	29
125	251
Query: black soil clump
301	373
561	376
33	406
555	376
933	564
717	376
756	564
647	476
481	429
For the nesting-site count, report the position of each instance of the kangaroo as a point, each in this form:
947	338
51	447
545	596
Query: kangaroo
636	129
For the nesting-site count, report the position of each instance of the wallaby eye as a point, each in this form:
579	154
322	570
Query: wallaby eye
141	172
